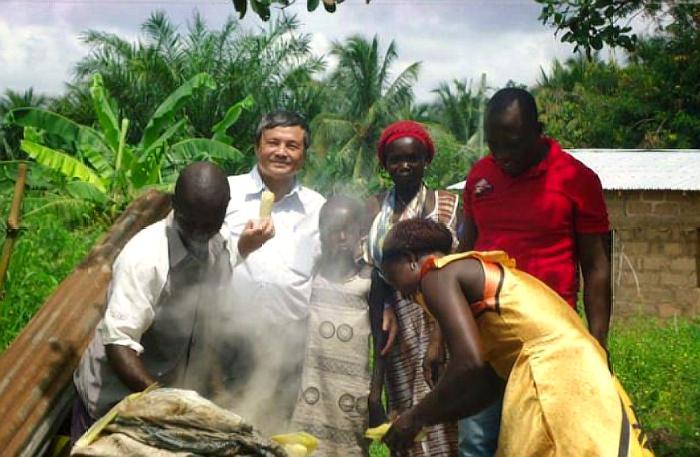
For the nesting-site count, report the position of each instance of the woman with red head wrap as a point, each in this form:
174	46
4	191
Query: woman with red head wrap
404	150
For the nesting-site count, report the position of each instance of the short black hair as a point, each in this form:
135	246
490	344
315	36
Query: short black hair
417	237
283	118
504	98
355	206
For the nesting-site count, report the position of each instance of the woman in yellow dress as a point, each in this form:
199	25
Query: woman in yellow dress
501	324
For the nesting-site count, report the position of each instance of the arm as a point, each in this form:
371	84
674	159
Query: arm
595	268
469	384
128	366
469	235
379	291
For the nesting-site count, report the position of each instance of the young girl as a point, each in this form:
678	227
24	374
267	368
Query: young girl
499	322
332	404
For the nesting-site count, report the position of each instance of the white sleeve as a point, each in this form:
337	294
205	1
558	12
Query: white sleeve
131	301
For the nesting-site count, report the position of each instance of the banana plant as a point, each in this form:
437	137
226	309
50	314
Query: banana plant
99	163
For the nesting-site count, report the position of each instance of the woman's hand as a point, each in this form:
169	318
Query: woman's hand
377	415
403	431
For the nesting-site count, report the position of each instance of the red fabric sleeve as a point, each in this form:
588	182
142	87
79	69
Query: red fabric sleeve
590	212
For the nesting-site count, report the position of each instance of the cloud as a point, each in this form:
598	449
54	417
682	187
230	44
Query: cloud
452	39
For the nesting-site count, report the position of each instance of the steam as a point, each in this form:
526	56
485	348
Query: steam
261	365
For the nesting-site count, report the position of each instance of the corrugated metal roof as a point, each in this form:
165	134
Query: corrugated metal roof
640	169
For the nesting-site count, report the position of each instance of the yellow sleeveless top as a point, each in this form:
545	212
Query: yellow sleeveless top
560	399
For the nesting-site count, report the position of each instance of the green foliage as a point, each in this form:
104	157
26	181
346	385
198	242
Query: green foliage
11	135
274	64
101	167
651	102
658	363
588	24
262	7
48	248
365	100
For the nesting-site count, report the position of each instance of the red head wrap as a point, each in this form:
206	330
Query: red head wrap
401	129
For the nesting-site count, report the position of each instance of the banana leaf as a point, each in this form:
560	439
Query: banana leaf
105	115
161	140
61	126
62	163
166	111
99	163
86	191
203	149
232	115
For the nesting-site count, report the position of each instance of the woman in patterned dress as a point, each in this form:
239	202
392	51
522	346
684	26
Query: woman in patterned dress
405	149
332	404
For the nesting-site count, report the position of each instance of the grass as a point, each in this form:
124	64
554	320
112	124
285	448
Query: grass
659	364
46	251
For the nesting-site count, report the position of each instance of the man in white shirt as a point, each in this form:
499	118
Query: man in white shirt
162	308
272	285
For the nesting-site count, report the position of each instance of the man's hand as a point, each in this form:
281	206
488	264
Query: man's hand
254	235
390	325
435	359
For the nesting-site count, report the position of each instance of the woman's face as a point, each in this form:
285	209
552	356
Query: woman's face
405	160
403	273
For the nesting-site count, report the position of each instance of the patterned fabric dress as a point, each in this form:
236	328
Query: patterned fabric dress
332	404
405	384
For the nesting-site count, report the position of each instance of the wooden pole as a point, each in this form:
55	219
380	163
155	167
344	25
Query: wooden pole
12	225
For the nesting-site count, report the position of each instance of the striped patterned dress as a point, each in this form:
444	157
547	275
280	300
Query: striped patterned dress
405	383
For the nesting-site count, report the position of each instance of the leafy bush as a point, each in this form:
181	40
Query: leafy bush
46	251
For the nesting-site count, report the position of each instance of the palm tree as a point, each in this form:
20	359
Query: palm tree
457	108
11	135
275	65
366	98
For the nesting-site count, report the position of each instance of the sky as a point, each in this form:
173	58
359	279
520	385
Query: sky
453	39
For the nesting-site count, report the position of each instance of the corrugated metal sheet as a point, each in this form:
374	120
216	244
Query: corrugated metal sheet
640	169
35	370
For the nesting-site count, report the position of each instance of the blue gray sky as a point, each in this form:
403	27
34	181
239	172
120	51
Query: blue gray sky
39	39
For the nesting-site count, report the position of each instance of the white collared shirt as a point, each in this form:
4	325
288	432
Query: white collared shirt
274	282
139	275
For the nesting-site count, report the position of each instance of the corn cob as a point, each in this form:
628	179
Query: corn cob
377	433
266	202
293	441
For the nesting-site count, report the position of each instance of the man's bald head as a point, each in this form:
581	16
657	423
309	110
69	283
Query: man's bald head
201	197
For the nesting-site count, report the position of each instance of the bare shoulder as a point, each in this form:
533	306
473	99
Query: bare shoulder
464	273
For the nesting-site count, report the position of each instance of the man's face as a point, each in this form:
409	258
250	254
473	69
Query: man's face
200	224
280	152
512	141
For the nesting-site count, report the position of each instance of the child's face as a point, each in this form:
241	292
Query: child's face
340	233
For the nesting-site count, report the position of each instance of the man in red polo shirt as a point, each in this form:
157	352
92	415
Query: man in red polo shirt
545	209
